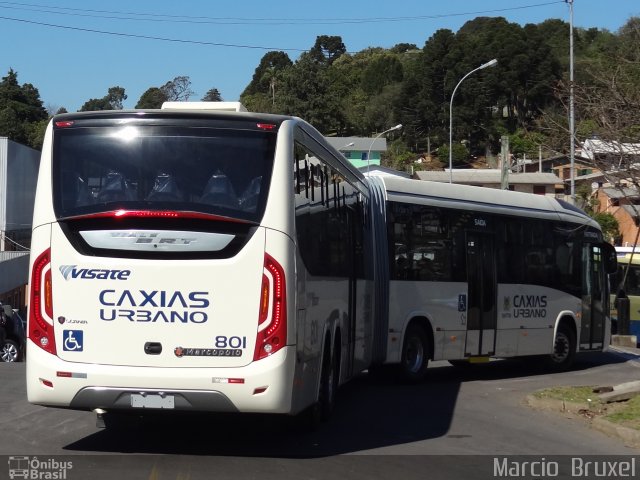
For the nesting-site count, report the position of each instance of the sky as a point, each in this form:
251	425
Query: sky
72	51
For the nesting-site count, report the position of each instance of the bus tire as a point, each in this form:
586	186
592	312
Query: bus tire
415	354
328	385
309	419
564	349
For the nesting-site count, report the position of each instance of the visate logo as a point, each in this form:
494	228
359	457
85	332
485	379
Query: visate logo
72	272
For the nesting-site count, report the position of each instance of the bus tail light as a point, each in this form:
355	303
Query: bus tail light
41	304
272	318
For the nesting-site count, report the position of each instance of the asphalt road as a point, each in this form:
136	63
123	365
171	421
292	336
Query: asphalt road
451	426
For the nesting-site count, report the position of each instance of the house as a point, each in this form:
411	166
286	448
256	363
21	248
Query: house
18	176
538	183
380	171
360	151
624	204
610	152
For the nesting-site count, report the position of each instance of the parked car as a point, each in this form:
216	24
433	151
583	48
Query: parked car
12	338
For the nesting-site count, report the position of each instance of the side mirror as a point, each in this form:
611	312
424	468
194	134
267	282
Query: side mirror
610	258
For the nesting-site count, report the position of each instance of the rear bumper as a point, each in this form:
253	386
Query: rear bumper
265	388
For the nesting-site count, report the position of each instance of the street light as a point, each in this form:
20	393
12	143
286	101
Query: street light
490	63
397	127
350	144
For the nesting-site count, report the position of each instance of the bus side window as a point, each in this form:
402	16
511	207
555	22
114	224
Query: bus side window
631	286
563	259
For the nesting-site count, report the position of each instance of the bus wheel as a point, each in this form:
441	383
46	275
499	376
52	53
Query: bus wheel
310	419
564	349
415	354
328	385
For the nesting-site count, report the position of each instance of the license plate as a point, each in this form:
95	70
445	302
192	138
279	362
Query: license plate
152	401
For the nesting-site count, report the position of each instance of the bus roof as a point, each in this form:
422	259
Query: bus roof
211	106
483	199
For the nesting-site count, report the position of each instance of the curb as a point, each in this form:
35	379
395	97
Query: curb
630	436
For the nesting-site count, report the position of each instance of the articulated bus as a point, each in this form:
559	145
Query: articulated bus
191	259
627	280
475	273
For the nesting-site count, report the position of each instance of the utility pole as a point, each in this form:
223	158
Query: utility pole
539	158
506	162
572	148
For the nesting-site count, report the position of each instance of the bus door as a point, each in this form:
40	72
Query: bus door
482	291
592	325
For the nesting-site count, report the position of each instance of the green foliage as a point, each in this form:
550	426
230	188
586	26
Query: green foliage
151	98
609	225
460	154
327	49
178	89
113	100
403	47
398	156
272	62
585	198
525	143
381	71
20	110
213	95
258	102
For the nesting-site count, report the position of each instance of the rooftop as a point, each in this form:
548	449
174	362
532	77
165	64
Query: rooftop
488	176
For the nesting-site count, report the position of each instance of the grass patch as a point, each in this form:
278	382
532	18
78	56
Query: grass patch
626	413
570	394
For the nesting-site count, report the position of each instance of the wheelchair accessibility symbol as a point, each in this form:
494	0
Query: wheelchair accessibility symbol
72	340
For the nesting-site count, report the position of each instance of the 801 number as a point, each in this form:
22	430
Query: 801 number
222	341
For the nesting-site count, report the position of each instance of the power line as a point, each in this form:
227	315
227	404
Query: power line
151	37
216	20
154	17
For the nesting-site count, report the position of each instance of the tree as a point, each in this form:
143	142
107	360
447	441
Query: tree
213	95
403	47
178	89
20	108
460	154
270	66
95	104
113	100
609	225
152	98
327	49
381	71
116	97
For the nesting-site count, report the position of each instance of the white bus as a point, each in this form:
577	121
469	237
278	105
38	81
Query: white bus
476	273
187	259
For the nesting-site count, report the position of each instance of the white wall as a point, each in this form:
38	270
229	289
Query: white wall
18	177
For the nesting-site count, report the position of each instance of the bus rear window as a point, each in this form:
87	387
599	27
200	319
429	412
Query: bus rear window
162	167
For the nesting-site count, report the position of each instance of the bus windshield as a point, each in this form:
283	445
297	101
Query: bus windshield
218	171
